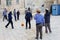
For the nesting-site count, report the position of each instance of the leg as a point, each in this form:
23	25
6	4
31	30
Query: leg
3	18
12	24
18	17
37	32
7	24
26	23
40	32
15	18
46	28
49	27
29	25
6	17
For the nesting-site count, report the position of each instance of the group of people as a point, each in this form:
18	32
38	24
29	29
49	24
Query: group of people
40	21
8	17
39	18
16	14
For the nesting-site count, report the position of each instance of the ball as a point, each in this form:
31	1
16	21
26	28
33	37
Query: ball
22	24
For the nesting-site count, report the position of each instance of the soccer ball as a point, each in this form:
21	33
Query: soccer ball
22	24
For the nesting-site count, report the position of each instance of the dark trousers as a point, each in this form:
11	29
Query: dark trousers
39	30
9	23
47	26
28	22
5	17
15	18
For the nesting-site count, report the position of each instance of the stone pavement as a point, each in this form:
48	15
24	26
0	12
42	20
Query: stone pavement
20	33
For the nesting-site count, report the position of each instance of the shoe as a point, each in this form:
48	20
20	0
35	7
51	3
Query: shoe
40	37
12	28
36	38
46	32
29	28
6	27
50	32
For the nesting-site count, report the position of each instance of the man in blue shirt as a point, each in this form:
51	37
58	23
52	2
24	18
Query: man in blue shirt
39	23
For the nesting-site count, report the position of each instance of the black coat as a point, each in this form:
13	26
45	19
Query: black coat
18	13
10	16
28	15
47	17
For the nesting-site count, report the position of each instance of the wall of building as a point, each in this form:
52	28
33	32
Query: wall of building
25	4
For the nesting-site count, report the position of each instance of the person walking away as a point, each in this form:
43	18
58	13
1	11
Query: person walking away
5	14
39	23
47	21
10	20
18	13
15	14
28	17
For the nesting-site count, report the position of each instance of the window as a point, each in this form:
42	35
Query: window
17	1
0	2
8	2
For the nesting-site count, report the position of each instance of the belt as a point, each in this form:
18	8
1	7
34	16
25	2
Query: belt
38	23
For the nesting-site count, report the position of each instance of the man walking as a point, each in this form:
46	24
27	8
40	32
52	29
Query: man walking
10	20
5	14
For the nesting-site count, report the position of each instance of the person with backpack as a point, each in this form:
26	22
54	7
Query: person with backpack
28	17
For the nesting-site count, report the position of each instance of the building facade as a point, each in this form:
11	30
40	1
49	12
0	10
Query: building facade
22	4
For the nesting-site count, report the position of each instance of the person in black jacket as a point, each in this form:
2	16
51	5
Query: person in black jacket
18	13
10	20
47	21
28	17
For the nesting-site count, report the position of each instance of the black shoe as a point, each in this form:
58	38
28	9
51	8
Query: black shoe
29	28
6	27
12	28
40	37
36	38
46	32
50	32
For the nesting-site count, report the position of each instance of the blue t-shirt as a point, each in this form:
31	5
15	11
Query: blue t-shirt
39	18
